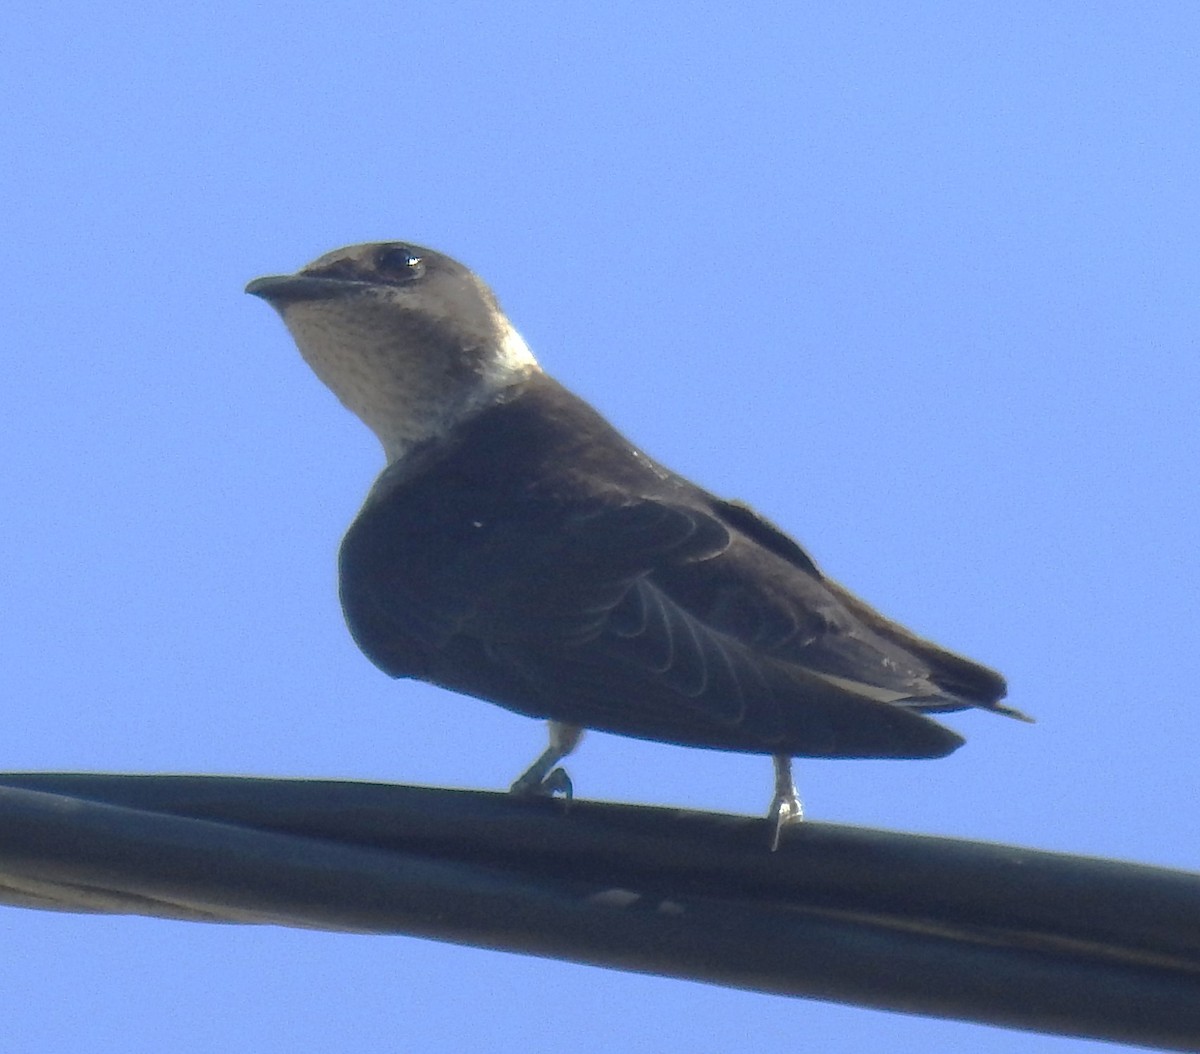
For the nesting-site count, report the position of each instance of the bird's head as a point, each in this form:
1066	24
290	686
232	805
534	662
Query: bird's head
410	340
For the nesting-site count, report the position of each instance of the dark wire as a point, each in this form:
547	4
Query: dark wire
950	928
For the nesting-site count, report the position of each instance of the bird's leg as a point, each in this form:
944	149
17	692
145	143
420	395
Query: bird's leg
785	806
542	777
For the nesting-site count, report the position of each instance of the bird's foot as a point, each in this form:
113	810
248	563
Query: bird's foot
545	778
786	810
532	784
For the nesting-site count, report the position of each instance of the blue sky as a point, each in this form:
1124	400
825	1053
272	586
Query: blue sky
919	282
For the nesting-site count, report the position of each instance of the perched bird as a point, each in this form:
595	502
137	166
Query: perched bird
519	549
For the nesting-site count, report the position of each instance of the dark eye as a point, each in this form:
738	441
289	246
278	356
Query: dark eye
400	262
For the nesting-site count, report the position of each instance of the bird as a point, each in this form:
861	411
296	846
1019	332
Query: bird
519	549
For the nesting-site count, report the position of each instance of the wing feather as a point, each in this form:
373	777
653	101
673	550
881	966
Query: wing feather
668	616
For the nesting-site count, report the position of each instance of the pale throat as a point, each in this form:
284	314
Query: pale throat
398	390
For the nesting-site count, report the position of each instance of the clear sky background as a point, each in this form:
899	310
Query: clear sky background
918	281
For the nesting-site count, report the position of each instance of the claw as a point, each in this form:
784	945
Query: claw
558	783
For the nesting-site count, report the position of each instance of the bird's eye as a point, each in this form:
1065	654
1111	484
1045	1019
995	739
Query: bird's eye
400	262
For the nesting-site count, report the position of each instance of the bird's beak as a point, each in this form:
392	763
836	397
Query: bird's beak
263	286
279	289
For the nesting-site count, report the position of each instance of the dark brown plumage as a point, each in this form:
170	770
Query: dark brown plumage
519	549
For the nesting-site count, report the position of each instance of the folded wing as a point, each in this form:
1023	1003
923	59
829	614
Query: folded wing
686	620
